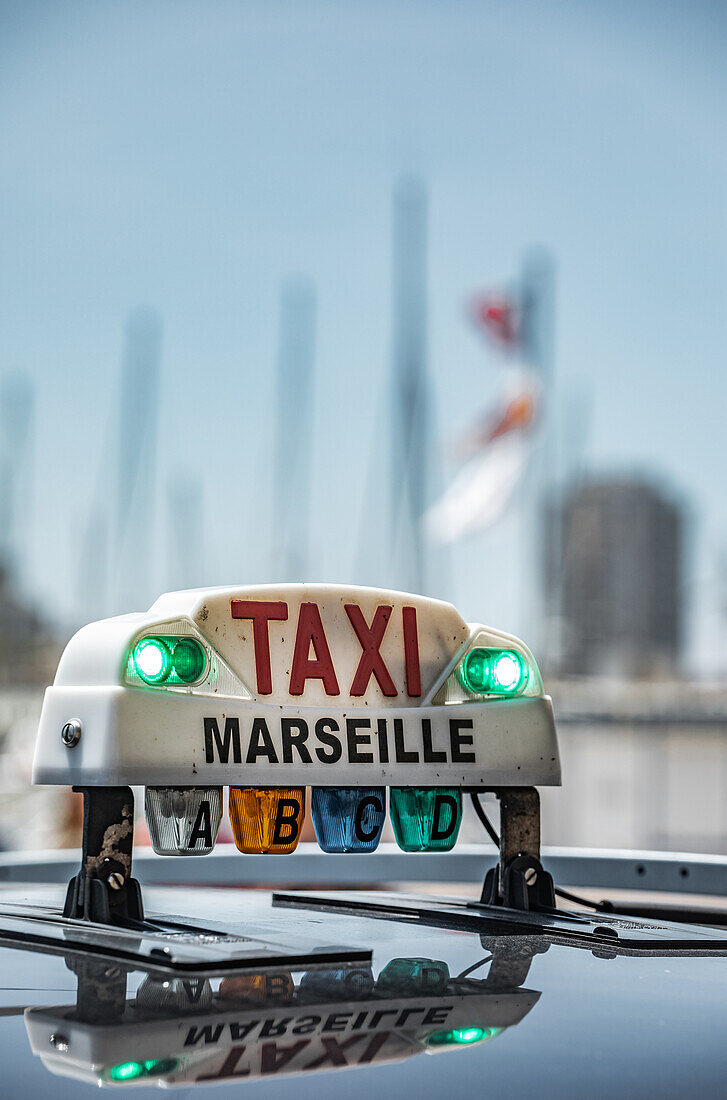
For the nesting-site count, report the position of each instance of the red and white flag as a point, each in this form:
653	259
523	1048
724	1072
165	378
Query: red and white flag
496	452
499	317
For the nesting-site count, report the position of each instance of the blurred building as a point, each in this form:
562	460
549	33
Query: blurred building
644	766
28	651
613	575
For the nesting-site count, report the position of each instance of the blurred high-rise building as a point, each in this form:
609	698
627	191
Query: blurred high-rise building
411	411
613	578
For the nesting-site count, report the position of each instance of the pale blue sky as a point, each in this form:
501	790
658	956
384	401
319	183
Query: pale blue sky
192	155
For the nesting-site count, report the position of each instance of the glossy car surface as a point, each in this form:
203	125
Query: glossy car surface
440	1012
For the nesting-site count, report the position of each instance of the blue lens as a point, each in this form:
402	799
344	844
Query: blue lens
319	986
348	819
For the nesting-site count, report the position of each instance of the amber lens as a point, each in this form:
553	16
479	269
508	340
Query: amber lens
267	819
259	989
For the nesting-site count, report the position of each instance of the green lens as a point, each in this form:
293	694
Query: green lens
152	660
413	978
171	661
126	1071
189	660
132	1071
493	672
476	671
425	819
461	1036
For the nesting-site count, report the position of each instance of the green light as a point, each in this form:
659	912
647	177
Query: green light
152	660
468	1035
493	672
462	1036
127	1071
476	671
132	1071
507	673
189	660
166	660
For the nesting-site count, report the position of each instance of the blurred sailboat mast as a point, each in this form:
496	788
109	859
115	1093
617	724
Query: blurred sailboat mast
134	536
409	478
291	500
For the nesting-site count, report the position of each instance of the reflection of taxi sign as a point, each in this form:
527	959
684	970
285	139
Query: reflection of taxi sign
268	1025
269	690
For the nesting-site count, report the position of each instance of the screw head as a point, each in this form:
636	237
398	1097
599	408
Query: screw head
59	1042
71	733
116	880
531	876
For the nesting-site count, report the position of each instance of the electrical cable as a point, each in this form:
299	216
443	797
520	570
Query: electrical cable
599	906
655	912
484	819
475	966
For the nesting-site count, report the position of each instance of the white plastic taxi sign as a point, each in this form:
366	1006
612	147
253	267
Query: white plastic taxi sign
296	685
318	644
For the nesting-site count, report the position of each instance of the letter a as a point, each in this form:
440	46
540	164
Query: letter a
310	632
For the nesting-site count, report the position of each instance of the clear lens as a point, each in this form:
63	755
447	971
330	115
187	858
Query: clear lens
175	995
183	821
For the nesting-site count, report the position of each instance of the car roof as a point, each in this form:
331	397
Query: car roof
436	1010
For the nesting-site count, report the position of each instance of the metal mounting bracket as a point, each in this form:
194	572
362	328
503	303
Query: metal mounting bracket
520	880
103	891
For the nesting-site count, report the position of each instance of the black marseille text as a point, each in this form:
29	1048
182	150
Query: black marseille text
328	741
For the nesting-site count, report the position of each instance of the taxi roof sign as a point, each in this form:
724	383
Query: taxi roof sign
318	643
274	689
295	685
